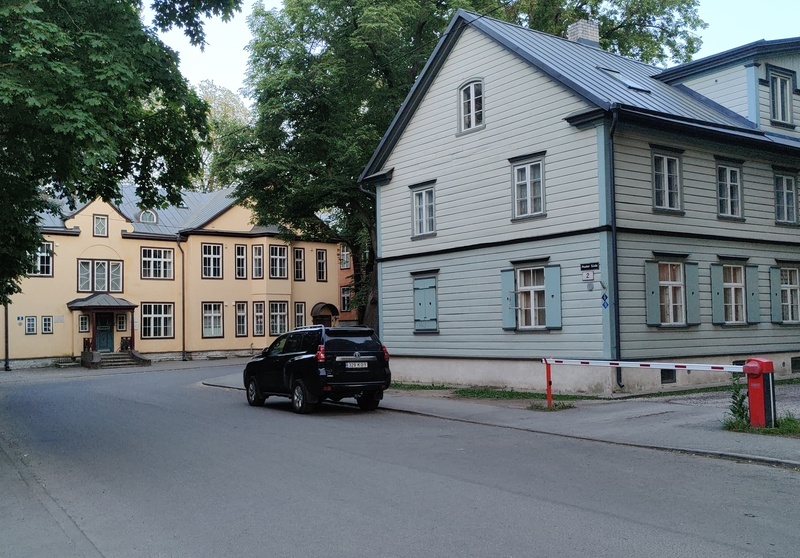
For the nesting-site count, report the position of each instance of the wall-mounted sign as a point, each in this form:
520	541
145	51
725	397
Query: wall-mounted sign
593	266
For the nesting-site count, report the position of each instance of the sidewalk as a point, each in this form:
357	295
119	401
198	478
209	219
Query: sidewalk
673	423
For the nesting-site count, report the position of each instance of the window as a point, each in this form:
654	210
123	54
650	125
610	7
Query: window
277	317
30	325
99	276
785	199
148	216
277	262
531	297
344	256
322	265
212	319
734	294
212	261
780	91
345	299
241	261
424	207
471	106
157	320
258	262
47	324
729	191
258	319
785	294
672	293
666	182
122	322
43	265
528	190
157	263
426	314
299	264
299	314
83	323
100	225
241	319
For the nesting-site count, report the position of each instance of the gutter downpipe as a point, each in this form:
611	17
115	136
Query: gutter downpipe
183	298
615	264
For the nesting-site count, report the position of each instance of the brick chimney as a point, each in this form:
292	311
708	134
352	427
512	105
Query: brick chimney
584	32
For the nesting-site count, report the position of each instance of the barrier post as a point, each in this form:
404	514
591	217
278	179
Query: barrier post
549	389
760	392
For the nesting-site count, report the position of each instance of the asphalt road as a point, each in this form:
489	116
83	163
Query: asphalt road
153	463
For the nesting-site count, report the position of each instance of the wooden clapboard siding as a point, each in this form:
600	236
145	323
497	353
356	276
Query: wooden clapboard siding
524	114
728	87
470	304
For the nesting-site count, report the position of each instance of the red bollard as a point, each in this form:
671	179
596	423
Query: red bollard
760	392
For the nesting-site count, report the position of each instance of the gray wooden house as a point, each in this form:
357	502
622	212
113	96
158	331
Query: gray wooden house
538	196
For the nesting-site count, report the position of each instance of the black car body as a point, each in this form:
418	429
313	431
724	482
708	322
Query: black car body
315	363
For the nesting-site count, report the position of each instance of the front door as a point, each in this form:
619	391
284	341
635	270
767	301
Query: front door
105	333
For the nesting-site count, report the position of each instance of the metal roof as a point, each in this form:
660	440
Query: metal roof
101	300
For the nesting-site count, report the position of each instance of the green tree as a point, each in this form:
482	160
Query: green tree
327	77
89	96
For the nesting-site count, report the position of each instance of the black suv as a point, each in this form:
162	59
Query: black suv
314	363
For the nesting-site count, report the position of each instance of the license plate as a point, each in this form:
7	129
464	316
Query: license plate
356	364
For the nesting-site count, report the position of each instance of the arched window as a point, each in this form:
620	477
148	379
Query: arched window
471	105
148	216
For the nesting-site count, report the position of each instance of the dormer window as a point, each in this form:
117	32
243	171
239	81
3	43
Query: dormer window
780	91
471	106
148	216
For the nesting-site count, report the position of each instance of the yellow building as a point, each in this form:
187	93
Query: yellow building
192	281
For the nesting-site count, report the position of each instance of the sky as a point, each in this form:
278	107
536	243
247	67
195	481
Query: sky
731	23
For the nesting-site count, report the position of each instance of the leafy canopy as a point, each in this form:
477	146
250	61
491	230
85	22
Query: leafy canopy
89	96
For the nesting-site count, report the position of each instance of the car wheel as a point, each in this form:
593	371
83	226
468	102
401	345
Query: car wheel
300	403
368	401
254	397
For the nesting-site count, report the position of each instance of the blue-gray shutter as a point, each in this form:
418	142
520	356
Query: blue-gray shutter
775	299
751	289
552	296
508	299
425	311
652	295
717	297
692	293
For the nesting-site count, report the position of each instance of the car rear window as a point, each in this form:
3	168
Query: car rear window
352	340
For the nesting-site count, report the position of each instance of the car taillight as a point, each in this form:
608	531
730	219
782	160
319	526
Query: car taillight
385	352
321	353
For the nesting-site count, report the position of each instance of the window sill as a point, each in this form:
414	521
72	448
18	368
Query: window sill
470	130
784	125
788	224
527	330
668	211
423	236
426	332
734	326
732	218
526	218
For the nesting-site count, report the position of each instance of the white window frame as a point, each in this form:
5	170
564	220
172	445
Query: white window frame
43	266
734	294
240	255
100	225
212	320
471	106
672	293
344	298
729	190
157	320
322	265
790	295
299	314
785	199
424	211
212	261
122	322
258	261
103	276
157	263
780	95
278	317
259	323
531	298
47	325
666	182
148	216
241	319
30	325
83	323
299	265
344	256
278	264
529	189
